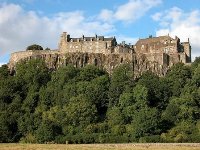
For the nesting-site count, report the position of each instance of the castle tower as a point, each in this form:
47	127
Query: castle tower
63	42
187	50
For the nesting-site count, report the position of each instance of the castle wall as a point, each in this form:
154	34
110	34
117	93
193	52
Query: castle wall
26	55
86	46
156	57
174	59
120	49
164	44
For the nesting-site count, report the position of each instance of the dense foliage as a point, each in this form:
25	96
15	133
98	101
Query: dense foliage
86	105
35	47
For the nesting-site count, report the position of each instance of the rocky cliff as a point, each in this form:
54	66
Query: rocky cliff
54	59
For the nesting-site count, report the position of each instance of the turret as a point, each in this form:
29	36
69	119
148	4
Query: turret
187	50
63	42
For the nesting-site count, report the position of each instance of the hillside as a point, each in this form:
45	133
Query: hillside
87	105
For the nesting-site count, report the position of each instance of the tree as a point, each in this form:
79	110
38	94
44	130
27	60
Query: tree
126	105
45	132
141	96
177	77
90	72
196	63
146	122
97	92
4	72
58	89
158	89
47	48
32	72
80	111
114	116
34	47
184	131
120	80
196	76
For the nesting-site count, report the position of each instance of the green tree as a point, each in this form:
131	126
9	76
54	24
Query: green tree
60	80
141	96
80	111
114	116
196	76
183	132
158	89
90	72
177	77
97	92
120	81
34	71
196	63
45	132
34	47
146	122
127	106
4	72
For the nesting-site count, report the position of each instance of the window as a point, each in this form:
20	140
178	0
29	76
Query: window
95	62
142	47
166	50
122	60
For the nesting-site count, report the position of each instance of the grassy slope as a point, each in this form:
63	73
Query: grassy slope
100	147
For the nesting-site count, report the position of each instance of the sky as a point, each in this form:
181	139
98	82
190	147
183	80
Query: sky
26	22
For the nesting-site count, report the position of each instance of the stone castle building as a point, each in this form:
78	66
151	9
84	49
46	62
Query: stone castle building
156	54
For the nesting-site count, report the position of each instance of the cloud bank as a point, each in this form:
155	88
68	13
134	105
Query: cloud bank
130	11
176	21
20	28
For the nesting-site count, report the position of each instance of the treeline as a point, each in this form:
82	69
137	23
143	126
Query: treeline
86	105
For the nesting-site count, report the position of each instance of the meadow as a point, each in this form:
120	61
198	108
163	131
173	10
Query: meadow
152	146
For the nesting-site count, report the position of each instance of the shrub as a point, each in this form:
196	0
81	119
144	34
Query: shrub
34	47
150	139
29	138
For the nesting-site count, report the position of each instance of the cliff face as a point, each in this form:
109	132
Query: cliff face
55	59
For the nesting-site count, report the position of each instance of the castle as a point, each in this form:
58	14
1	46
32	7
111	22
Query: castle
156	54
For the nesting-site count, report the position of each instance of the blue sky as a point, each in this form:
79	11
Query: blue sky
24	22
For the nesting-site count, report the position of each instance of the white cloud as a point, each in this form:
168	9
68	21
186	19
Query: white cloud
182	24
20	28
130	11
157	16
134	9
106	15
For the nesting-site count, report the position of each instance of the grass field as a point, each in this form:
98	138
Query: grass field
100	146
